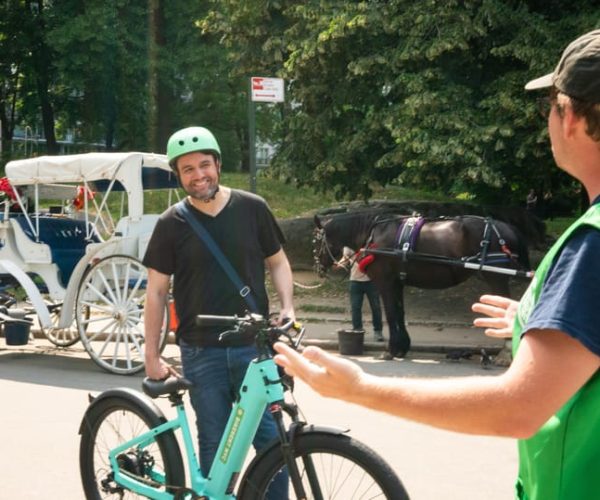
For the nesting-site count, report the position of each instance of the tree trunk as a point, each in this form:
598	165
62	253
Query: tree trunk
42	65
164	100
159	116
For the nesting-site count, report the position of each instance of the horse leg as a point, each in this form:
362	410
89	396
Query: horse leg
392	295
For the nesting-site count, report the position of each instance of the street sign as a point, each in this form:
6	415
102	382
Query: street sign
267	89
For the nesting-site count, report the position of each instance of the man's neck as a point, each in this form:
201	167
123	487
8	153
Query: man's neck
215	205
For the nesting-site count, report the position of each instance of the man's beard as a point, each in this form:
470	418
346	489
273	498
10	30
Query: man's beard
207	197
210	193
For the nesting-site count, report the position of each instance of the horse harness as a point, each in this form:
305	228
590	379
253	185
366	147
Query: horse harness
407	235
406	239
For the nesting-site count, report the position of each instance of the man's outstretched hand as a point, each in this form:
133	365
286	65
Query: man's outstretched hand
329	375
501	313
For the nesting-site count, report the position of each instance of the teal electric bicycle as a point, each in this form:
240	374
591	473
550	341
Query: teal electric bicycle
129	449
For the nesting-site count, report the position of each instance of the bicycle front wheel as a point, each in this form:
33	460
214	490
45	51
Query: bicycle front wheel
112	422
331	466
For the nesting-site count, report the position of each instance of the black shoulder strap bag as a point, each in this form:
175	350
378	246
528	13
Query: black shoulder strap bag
244	290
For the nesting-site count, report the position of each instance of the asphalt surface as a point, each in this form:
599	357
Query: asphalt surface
44	396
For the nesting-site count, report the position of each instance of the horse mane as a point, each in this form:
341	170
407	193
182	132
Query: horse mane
352	229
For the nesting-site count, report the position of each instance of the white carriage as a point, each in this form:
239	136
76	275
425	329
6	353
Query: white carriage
73	240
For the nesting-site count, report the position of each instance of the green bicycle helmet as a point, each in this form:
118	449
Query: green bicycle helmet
188	140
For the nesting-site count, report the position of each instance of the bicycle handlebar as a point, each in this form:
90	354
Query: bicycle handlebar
211	320
255	324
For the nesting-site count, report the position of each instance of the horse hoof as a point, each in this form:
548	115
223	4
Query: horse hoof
386	356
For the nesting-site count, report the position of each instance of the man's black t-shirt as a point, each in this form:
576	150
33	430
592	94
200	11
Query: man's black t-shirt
245	231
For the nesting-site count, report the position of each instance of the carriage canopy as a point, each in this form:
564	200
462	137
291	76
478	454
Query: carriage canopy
132	172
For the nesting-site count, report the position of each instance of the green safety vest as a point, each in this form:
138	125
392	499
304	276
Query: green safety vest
562	460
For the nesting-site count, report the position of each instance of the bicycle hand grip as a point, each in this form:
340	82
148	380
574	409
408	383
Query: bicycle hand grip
211	320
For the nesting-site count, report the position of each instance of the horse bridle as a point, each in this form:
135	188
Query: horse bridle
320	238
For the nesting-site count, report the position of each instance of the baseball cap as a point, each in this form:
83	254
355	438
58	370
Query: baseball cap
578	71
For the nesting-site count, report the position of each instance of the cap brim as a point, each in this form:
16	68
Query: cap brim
540	83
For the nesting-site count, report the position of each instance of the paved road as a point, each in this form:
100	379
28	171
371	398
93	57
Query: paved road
44	396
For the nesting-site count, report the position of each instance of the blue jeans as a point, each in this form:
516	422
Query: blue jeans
358	289
217	374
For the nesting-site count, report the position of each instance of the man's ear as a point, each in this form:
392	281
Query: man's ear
571	123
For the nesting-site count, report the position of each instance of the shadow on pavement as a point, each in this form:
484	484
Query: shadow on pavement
42	364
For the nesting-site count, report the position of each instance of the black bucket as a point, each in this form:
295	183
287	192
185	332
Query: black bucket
351	342
16	333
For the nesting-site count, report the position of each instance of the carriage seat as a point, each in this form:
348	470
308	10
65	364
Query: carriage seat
65	237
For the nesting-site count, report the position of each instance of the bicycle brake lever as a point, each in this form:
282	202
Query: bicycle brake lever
227	333
298	338
294	340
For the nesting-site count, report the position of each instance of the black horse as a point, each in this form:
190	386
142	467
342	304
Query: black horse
424	253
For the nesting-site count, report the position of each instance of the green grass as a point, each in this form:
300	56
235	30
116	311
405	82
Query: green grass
315	308
555	227
287	200
284	199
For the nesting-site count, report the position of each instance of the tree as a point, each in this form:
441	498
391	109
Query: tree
103	67
41	58
12	57
428	94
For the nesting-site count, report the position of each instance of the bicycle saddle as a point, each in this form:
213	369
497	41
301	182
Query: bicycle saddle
156	388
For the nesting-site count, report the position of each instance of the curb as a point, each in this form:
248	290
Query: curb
333	345
369	346
417	322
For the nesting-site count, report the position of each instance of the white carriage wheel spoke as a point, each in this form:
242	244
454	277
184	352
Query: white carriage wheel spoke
136	335
133	323
114	333
132	301
127	350
116	348
92	338
109	289
116	281
137	345
90	321
124	294
97	293
132	294
97	308
135	312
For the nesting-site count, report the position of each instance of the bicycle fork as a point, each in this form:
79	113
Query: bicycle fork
288	451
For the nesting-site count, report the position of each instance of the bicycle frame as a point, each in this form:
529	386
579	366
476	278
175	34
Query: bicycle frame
261	386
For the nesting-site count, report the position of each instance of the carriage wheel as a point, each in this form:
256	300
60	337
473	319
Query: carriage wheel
63	337
114	291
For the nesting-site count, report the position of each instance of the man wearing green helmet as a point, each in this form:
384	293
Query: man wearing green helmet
243	227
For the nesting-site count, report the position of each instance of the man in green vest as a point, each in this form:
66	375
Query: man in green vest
549	398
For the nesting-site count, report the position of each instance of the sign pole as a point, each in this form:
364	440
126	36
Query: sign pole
261	90
251	138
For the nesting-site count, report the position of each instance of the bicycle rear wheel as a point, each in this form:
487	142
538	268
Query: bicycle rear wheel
111	422
331	466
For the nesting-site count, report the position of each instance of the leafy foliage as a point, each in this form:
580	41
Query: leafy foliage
422	93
